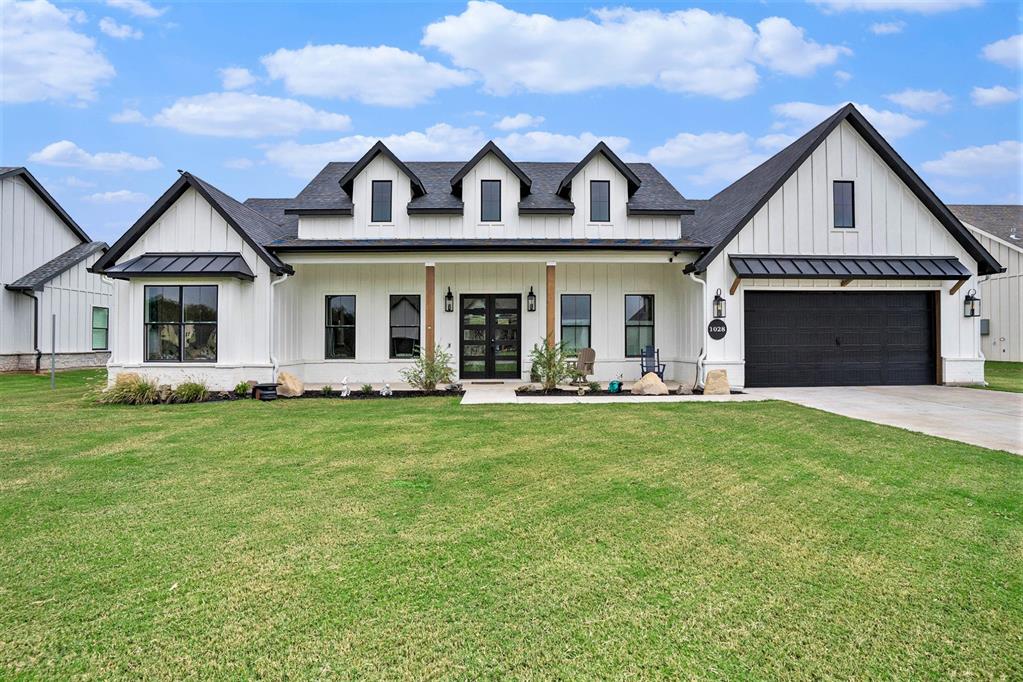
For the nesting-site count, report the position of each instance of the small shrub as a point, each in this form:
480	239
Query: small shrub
327	390
191	392
242	389
594	386
428	371
550	363
130	389
366	389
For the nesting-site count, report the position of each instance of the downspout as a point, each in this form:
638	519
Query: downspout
273	355
702	357
35	327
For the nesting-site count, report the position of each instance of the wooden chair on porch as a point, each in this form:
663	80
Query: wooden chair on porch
584	363
650	361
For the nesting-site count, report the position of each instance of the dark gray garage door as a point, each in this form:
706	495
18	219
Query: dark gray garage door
839	339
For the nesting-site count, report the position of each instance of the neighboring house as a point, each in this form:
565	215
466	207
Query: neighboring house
831	263
1000	230
44	261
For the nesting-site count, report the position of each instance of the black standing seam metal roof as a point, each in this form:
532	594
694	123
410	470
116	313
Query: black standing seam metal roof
253	227
847	267
37	279
21	171
1004	221
230	264
731	209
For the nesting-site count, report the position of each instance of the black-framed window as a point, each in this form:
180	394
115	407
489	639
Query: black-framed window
600	201
340	323
181	323
381	200
575	321
100	328
845	213
639	323
490	201
404	326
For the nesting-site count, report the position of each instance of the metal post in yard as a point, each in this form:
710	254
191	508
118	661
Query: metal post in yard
53	351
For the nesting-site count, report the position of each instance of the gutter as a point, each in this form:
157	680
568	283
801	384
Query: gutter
273	356
703	325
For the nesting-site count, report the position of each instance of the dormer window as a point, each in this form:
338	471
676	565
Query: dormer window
381	202
845	216
600	201
490	201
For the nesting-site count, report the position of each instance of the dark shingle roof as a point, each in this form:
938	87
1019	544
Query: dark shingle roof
1001	220
15	171
37	279
273	209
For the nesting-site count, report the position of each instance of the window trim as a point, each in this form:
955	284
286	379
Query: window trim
652	325
392	327
589	318
483	218
180	324
852	205
373	204
106	330
603	182
326	327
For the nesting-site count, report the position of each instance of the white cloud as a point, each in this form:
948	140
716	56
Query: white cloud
918	6
783	48
236	114
891	124
690	51
236	78
373	75
842	77
1007	52
538	145
775	141
139	8
72	181
119	31
240	163
68	154
718	156
887	28
441	141
519	121
921	100
121	196
43	58
128	116
999	94
1002	158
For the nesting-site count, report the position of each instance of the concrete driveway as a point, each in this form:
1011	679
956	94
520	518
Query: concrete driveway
990	419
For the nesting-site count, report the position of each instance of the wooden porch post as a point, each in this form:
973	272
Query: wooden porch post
431	308
550	304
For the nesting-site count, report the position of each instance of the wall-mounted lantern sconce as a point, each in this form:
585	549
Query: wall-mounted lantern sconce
971	304
449	302
719	305
531	301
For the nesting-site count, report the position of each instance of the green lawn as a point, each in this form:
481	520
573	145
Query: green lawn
1004	376
418	538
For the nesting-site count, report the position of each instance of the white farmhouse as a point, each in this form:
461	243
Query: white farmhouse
44	261
831	263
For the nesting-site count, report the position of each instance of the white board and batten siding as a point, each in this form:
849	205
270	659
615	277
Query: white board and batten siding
889	221
1001	300
470	226
32	234
191	224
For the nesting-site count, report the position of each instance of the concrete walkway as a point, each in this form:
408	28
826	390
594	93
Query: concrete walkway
990	419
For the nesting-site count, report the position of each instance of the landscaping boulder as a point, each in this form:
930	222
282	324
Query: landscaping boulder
166	393
684	389
716	383
290	385
650	384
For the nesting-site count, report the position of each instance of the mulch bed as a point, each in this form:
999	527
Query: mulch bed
375	395
603	392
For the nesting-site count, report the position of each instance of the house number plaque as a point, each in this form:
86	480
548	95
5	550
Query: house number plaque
717	329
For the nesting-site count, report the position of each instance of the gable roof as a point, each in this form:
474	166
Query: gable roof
490	148
21	171
727	212
601	148
1001	220
37	279
380	148
253	227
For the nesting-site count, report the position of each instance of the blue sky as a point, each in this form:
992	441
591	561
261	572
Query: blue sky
104	100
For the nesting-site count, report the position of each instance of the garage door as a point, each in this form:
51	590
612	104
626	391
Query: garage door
839	339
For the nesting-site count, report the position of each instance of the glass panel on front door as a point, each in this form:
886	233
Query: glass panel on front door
491	336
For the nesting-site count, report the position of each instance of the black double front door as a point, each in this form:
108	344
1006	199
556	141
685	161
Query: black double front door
491	333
